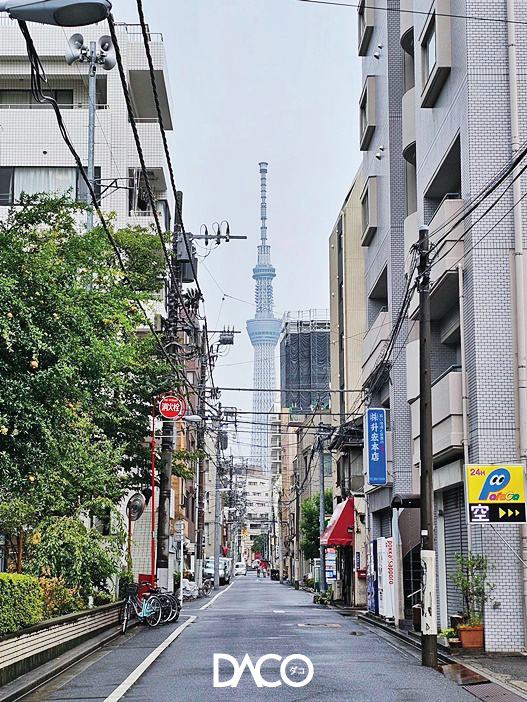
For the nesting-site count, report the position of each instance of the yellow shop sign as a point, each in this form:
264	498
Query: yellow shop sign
495	494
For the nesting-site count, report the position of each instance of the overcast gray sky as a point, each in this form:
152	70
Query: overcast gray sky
260	80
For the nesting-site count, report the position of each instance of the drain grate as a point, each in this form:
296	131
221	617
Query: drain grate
490	692
329	626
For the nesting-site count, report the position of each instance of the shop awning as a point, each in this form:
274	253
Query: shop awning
341	527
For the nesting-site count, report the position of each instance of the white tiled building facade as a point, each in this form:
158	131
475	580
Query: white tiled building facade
435	129
32	152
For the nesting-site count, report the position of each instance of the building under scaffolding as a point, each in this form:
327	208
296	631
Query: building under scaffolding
304	359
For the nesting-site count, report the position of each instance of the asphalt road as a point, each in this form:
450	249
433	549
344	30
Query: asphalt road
257	617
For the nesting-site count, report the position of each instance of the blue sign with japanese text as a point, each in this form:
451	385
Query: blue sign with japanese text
375	435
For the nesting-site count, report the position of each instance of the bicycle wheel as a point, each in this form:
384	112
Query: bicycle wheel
166	607
176	609
125	616
153	611
207	587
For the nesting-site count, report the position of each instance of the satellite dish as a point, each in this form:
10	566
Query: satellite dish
135	506
106	51
74	48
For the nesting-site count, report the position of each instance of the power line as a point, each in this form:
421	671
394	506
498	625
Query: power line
413	12
321	391
139	148
37	77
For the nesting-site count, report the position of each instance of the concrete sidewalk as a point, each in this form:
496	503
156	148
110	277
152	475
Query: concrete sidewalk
510	669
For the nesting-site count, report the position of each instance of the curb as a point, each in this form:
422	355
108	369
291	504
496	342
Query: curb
445	658
31	681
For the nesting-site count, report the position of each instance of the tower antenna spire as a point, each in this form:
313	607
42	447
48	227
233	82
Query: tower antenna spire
264	332
263	206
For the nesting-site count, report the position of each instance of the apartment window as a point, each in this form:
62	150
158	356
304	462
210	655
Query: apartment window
366	18
6	186
411	188
429	51
367	113
408	71
24	98
369	210
17	180
82	189
436	52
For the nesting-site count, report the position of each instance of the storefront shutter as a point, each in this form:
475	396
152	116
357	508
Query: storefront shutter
386	523
455	542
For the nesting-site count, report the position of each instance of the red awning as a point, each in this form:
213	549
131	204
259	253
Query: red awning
340	530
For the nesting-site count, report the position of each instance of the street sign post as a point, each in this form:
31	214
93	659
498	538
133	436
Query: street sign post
172	407
495	494
375	436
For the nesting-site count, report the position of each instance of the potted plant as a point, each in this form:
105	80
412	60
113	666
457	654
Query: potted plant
470	577
450	638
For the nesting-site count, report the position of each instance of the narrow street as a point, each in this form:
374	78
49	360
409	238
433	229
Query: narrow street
255	617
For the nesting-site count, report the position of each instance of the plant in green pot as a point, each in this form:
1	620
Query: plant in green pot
470	577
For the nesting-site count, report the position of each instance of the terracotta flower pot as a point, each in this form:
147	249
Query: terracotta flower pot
471	636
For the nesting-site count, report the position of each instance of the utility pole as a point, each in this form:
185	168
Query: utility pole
217	507
429	612
200	532
280	538
297	531
91	122
322	514
102	53
231	505
163	521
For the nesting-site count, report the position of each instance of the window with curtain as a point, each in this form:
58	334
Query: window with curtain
44	180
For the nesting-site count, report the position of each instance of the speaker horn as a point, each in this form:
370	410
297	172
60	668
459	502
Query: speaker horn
74	48
106	51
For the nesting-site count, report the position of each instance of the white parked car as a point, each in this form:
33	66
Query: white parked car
225	575
240	568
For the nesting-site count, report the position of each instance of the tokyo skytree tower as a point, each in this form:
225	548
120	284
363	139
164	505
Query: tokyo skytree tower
264	332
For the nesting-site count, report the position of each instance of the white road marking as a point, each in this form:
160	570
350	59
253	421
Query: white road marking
136	674
216	596
279	611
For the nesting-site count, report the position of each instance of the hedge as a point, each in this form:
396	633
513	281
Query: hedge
20	602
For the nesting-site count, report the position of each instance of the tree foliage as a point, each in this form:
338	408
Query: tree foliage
310	523
259	543
76	378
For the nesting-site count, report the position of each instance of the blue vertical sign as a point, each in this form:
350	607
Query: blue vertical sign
376	446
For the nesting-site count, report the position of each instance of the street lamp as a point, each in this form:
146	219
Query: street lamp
63	13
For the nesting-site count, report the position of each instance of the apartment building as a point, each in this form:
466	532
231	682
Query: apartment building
383	212
438	114
347	329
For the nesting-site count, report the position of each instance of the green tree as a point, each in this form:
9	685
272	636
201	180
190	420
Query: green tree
310	523
259	544
76	378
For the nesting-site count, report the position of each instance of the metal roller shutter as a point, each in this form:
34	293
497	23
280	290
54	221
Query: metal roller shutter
455	542
386	523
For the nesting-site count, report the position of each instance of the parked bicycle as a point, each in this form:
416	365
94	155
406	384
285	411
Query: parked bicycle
206	587
170	608
148	610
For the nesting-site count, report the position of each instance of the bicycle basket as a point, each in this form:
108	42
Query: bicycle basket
131	589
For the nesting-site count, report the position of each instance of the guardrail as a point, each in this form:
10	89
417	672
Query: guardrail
27	649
